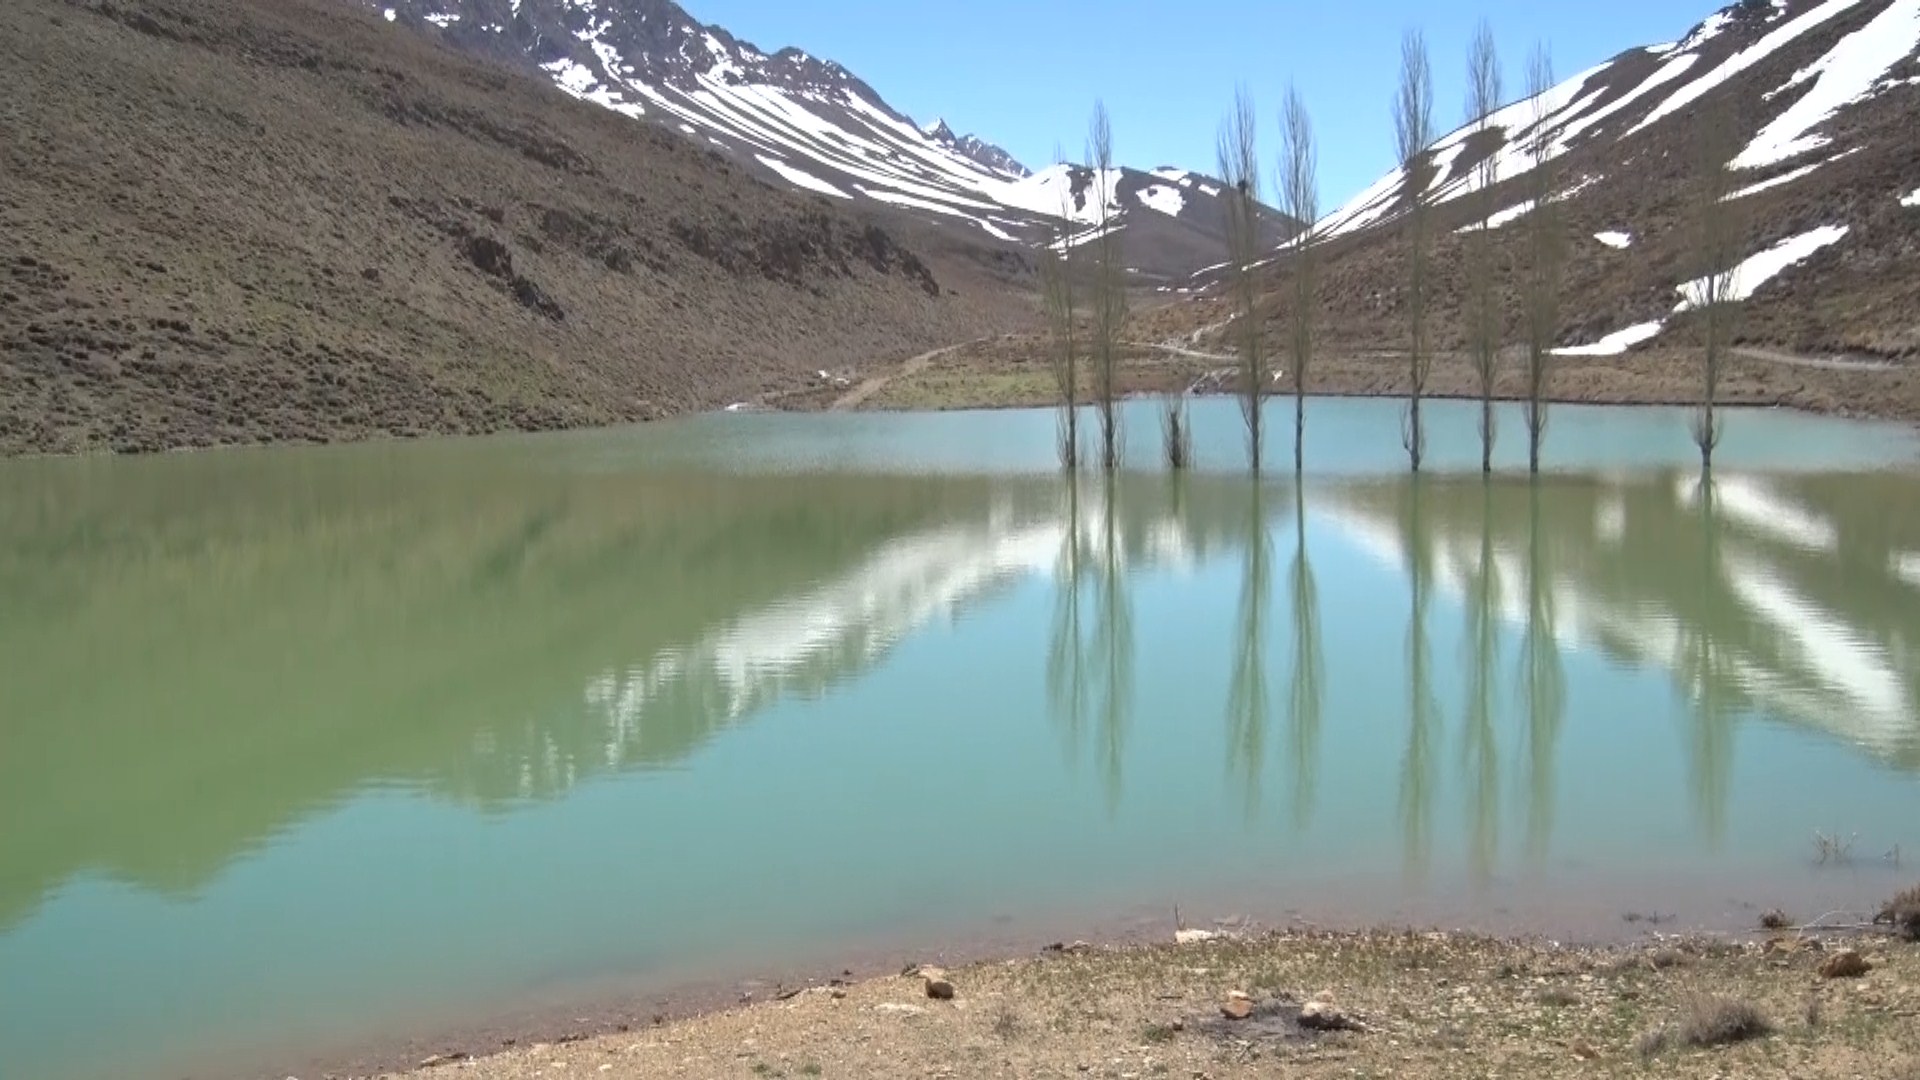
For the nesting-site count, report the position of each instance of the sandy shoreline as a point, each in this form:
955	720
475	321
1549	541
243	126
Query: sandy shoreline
616	1014
1418	1004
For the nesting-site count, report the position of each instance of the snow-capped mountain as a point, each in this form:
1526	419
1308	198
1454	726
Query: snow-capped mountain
814	125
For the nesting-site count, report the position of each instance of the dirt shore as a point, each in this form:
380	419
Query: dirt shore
1013	371
1406	1004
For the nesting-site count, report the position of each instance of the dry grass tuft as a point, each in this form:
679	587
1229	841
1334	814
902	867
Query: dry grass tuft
1558	997
1718	1021
1707	1021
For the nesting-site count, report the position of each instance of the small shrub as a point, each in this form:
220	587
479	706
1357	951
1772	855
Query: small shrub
1158	1034
1006	1023
1653	1042
1717	1021
1662	959
1775	920
1903	912
1558	997
1812	1011
811	1068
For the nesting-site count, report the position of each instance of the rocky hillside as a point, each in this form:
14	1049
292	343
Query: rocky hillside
815	126
233	221
1824	154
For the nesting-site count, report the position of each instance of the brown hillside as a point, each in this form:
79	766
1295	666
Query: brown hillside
234	221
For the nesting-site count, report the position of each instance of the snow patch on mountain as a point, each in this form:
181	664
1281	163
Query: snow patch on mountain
1744	59
1848	73
1912	201
1618	241
1161	197
801	177
1782	180
1617	343
1761	268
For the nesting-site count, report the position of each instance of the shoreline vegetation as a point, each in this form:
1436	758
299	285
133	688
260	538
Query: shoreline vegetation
1837	996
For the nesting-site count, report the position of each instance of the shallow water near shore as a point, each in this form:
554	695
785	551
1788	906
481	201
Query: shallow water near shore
314	748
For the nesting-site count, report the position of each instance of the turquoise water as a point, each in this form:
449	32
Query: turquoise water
314	749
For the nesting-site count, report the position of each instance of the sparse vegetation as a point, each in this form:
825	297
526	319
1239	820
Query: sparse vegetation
1158	1034
1413	130
1775	920
1238	159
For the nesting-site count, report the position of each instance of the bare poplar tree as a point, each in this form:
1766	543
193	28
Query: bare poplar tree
1109	289
1300	197
1542	287
1413	130
1056	273
1717	254
1239	166
1483	316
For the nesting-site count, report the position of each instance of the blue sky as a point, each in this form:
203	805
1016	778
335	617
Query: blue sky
1025	74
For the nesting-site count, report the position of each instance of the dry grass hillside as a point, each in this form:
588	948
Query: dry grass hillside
237	221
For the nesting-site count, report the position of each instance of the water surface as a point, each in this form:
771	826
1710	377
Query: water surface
311	748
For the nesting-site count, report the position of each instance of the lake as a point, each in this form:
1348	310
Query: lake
304	750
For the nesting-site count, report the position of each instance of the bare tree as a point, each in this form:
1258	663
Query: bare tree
1109	288
1413	130
1483	316
1056	274
1717	254
1239	166
1300	197
1542	288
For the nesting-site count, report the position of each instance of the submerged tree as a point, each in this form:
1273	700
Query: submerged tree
1542	286
1413	130
1716	255
1109	288
1483	306
1237	152
1056	275
1300	197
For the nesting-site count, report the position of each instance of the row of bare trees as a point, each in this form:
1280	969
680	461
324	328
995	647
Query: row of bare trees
1086	293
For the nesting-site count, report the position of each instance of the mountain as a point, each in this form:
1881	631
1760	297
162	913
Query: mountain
818	128
975	149
1820	96
271	220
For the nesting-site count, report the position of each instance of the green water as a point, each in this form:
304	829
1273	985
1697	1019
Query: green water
308	750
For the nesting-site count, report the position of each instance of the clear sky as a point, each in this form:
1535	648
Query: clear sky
1025	73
